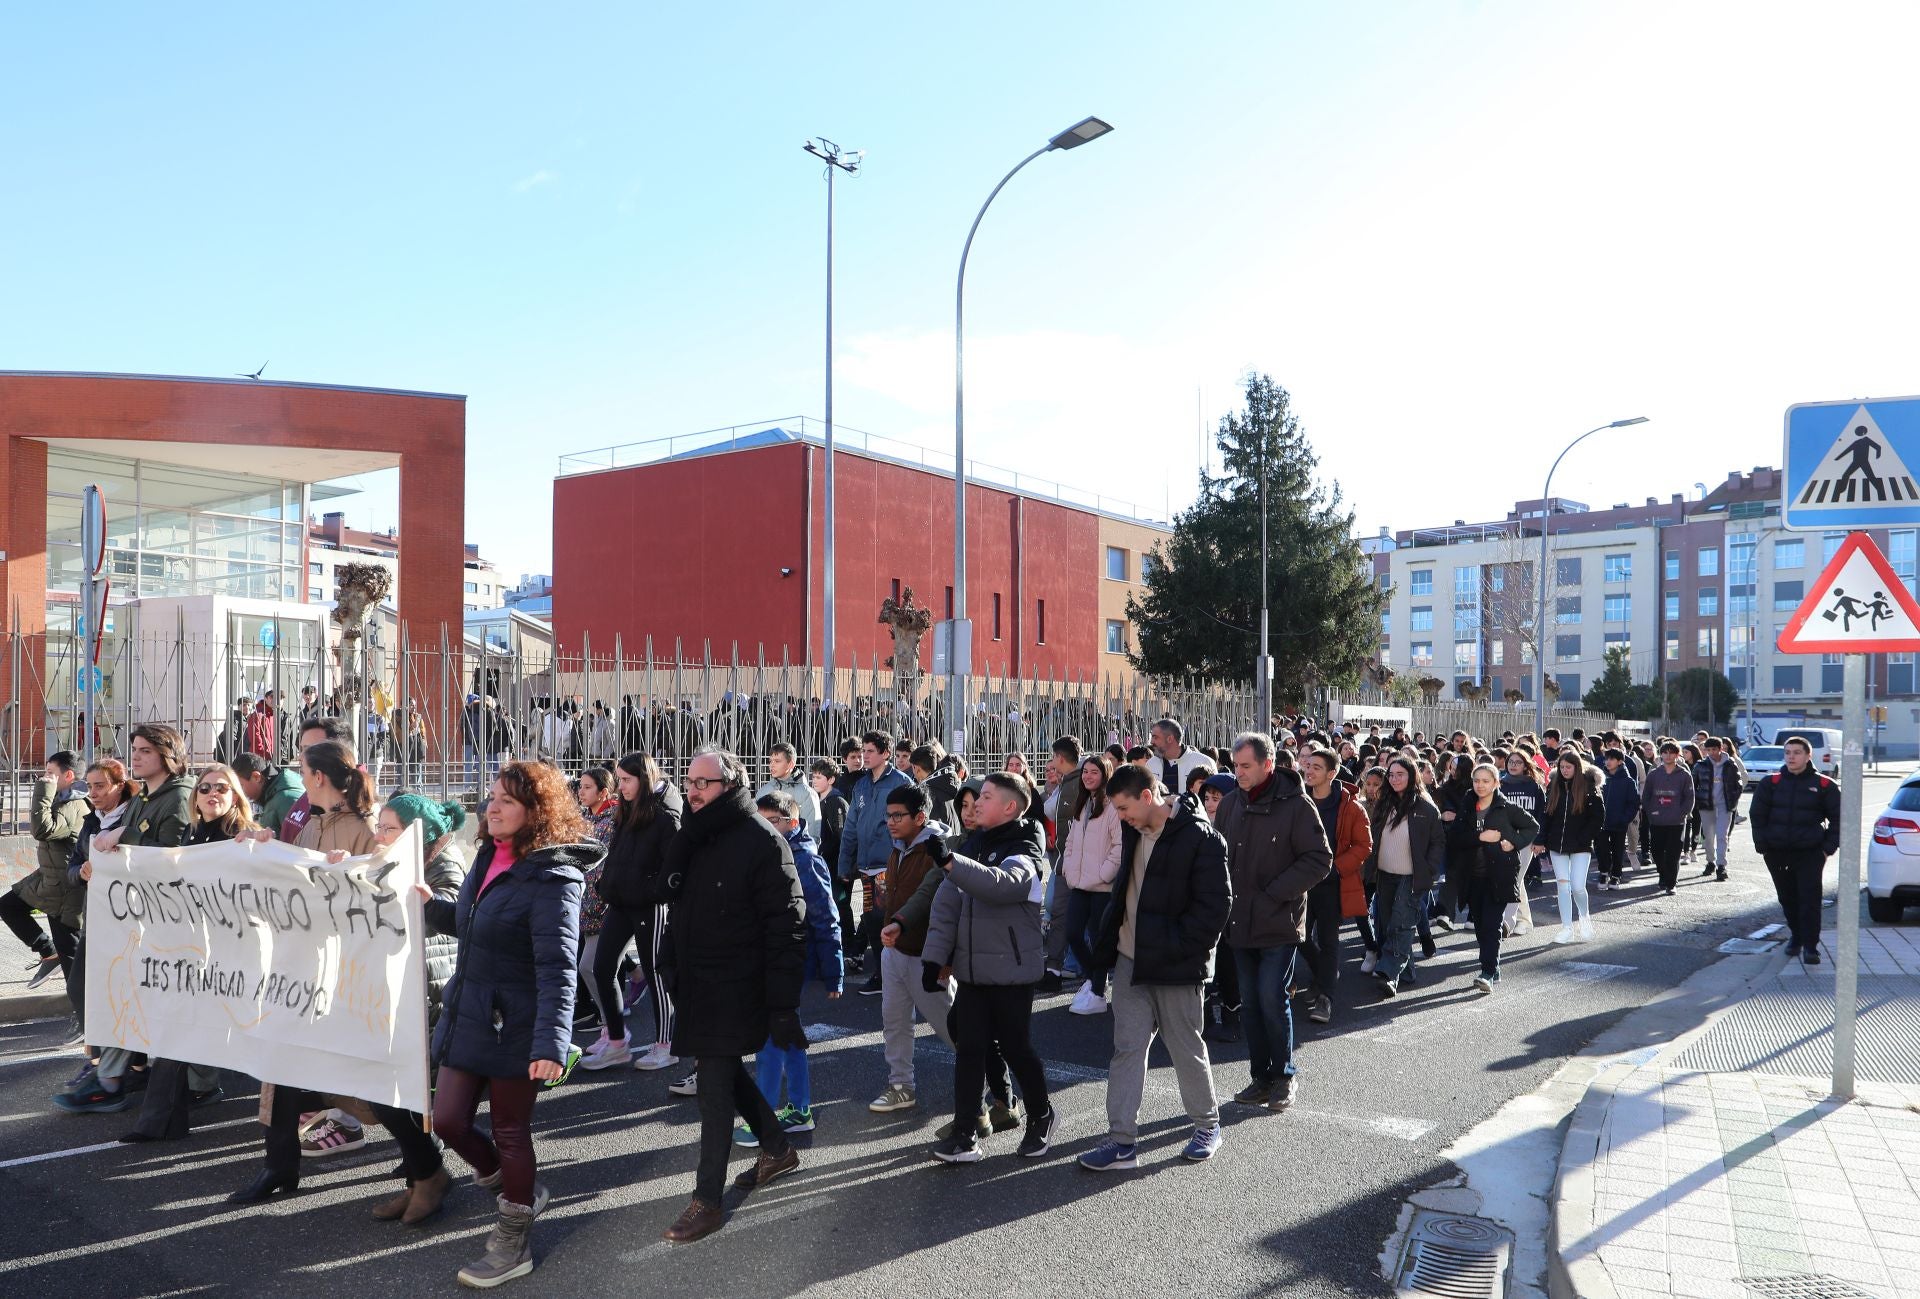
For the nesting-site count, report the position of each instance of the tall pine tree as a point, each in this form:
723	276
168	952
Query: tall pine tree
1200	612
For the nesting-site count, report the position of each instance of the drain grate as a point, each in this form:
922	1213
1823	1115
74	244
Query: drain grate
1804	1285
1452	1257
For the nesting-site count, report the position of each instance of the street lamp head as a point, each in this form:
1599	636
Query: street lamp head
1622	423
1079	133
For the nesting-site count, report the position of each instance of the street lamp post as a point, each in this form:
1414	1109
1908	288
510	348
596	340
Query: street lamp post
960	647
1540	610
848	161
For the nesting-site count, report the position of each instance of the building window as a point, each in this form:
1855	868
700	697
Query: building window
1386	624
1566	608
1738	679
1707	644
1832	666
1789	554
949	604
1526	653
1673	566
1566	649
1673	646
1386	581
316	569
1422	656
1673	606
1466	653
996	615
1498	649
896	590
1420	581
472	588
1147	564
1040	622
1497	582
1566	572
1788	595
1708	562
1618	608
313	593
1619	568
1116	636
1709	602
1421	619
1620	640
1900	674
1830	546
1786	679
1900	555
1569	684
1116	563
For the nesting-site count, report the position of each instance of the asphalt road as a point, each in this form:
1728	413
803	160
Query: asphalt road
1295	1204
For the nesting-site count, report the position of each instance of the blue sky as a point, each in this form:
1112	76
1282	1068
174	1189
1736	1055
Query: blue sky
1459	233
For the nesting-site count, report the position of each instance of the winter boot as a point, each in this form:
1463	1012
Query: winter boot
509	1249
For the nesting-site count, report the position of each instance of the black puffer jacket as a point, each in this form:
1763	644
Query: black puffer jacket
1276	851
1500	867
631	879
1565	831
1185	897
445	875
1796	812
736	943
510	1001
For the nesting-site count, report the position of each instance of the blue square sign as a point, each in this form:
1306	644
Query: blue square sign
1847	465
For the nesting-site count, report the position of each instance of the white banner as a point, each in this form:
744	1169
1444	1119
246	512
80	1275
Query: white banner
261	957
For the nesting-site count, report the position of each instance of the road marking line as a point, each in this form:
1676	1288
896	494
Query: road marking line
41	1057
111	1145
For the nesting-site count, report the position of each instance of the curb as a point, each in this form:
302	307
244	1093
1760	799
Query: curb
1702	999
19	1007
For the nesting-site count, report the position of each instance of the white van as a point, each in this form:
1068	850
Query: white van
1825	741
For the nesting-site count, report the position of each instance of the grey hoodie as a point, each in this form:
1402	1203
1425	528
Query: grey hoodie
795	786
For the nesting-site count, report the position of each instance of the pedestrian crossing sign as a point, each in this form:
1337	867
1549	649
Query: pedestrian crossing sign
1858	605
1848	465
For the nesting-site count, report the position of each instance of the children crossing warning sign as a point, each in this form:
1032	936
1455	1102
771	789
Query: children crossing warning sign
1857	606
1847	465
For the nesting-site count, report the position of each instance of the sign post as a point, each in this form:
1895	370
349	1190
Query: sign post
93	554
1858	606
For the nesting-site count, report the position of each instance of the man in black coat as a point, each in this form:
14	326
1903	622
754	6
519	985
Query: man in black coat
736	954
1169	908
1796	827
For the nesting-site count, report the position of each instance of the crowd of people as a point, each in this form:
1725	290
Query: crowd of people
1193	894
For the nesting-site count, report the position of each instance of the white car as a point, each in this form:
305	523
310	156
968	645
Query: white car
1761	761
1893	856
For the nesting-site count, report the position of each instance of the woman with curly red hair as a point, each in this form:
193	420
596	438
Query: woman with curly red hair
506	1020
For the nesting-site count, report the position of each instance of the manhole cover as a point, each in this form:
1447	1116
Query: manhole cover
1452	1257
1804	1285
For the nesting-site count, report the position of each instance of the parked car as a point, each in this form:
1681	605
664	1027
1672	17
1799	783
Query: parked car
1825	741
1893	856
1761	760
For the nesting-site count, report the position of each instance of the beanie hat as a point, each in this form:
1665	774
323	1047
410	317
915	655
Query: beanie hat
437	820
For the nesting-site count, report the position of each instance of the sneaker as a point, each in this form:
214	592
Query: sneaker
658	1056
1811	956
688	1086
92	1098
1203	1145
1040	1133
1443	923
84	1077
211	1096
43	970
1603	885
608	1054
1005	1116
1483	985
1793	949
960	1148
1586	931
1720	875
982	1129
1389	987
795	1120
1049	983
1371	962
1667	892
1711	868
1427	949
1285	1092
1087	1001
743	1136
330	1137
76	1032
1254	1093
871	988
894	1099
599	1043
1565	935
1322	1012
1112	1157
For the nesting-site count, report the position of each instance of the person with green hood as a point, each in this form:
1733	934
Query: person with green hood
271	790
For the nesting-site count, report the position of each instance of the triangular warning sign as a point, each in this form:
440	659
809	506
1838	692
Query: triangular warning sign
1858	605
1860	469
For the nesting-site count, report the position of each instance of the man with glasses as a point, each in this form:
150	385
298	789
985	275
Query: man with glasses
736	944
865	843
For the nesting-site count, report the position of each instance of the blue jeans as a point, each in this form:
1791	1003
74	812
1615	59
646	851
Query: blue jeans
777	1062
1266	1012
1399	910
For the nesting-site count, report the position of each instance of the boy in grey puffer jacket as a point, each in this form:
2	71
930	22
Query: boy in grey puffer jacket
985	927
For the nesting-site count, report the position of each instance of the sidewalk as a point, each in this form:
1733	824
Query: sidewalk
1719	1167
